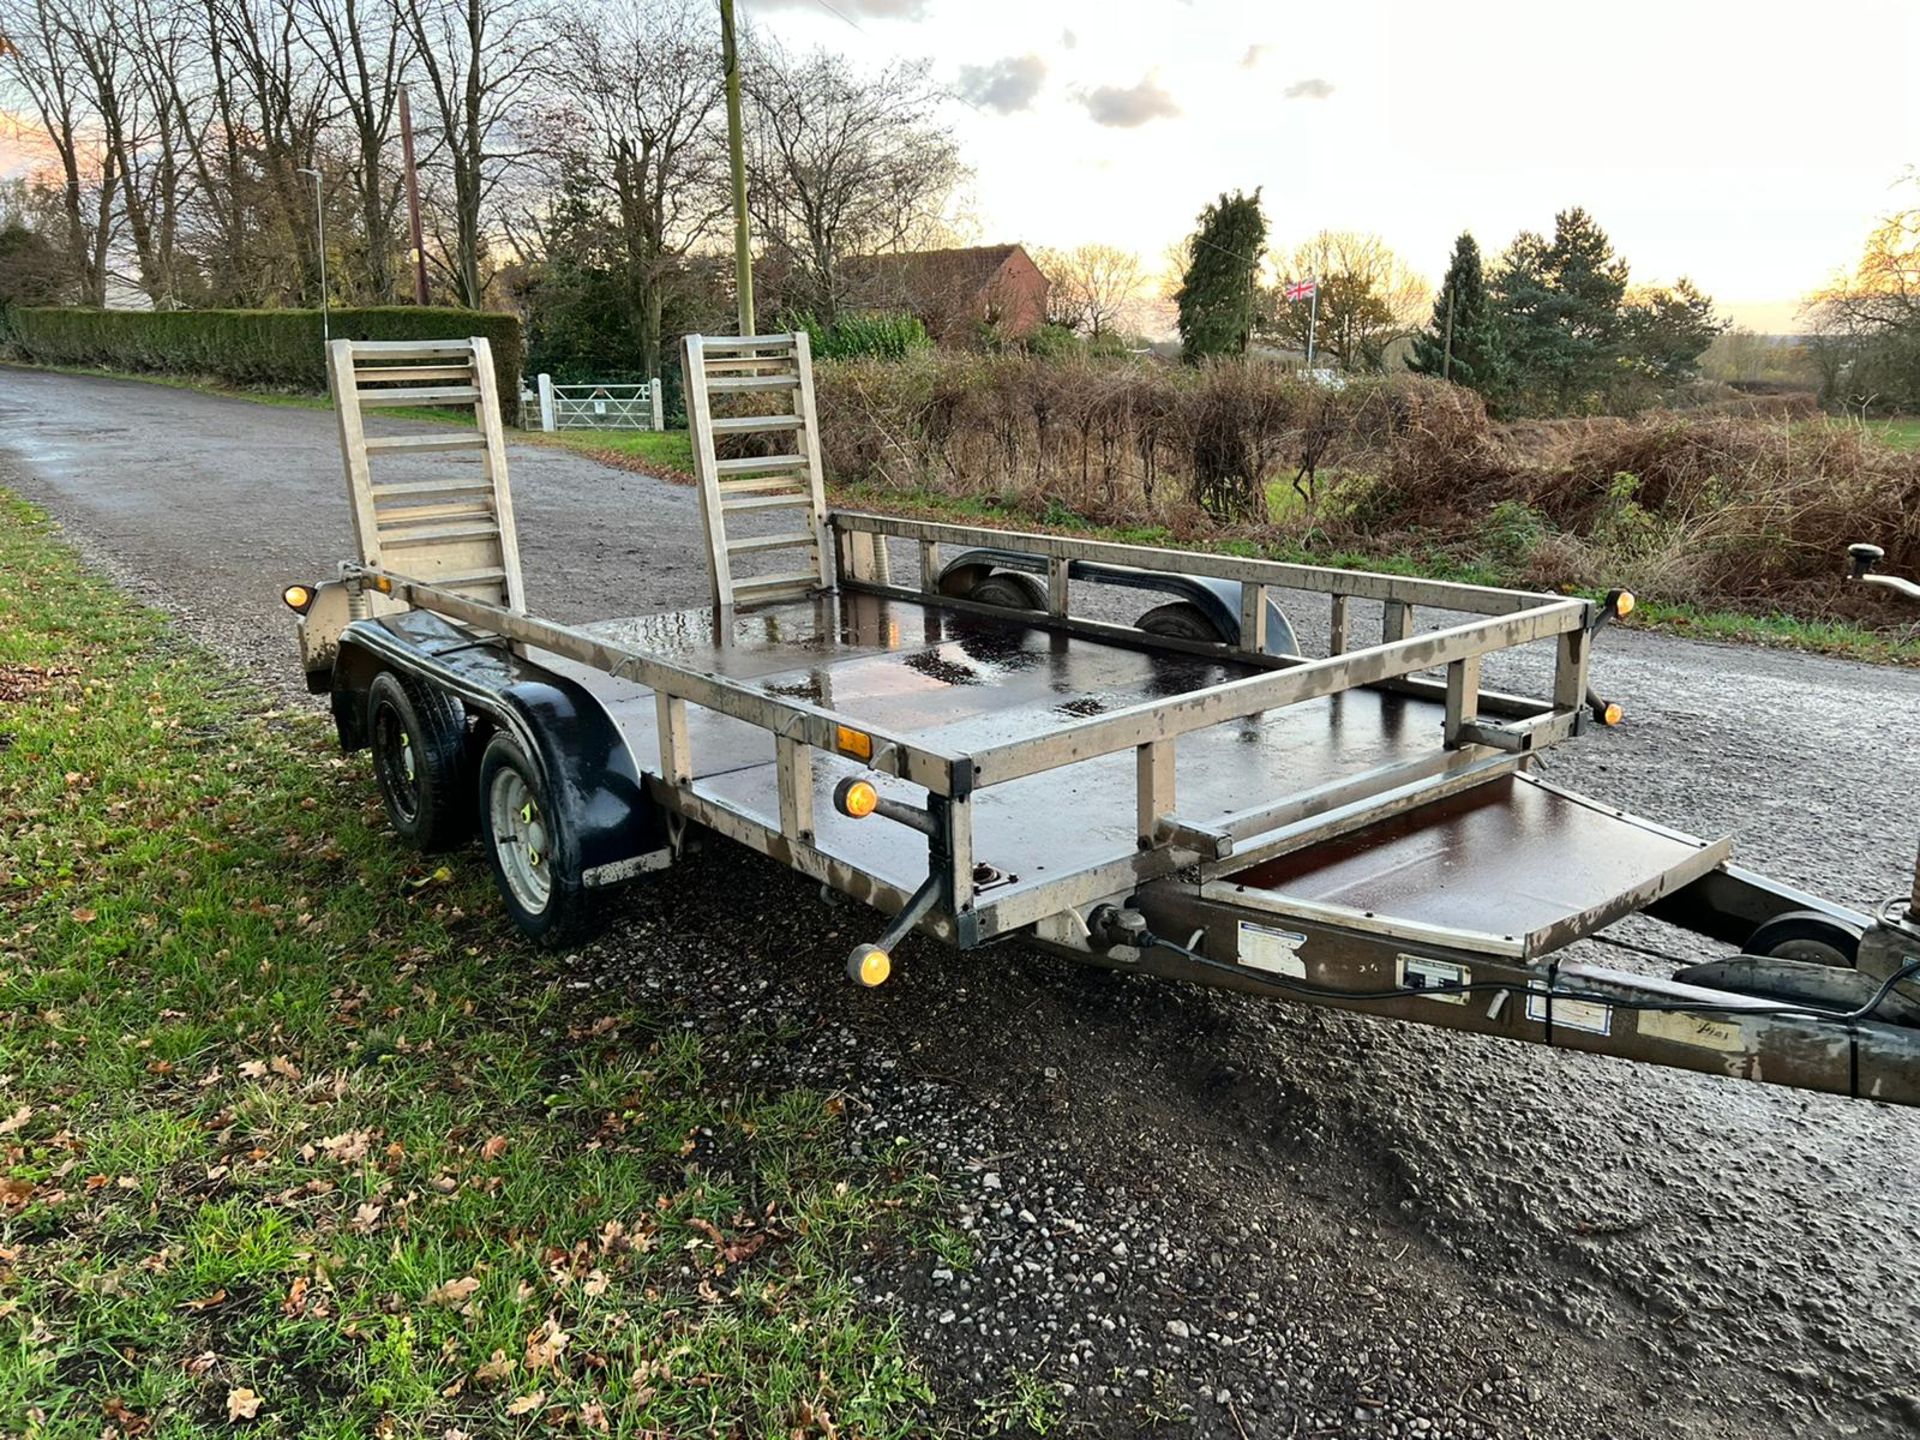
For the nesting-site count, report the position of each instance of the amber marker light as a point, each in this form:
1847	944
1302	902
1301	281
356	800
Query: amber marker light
298	597
856	799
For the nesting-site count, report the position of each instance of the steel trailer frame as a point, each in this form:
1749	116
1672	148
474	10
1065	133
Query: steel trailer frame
1192	871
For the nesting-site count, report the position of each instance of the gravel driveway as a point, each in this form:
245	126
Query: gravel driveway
1198	1213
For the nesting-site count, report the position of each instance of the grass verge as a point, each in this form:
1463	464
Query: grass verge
1851	642
296	1139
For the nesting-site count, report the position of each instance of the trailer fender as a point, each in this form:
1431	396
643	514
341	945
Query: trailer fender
1218	600
611	821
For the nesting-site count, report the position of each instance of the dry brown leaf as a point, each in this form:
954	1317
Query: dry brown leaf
205	1302
85	917
454	1292
493	1371
253	1069
242	1404
494	1148
281	1065
16	1120
545	1344
527	1403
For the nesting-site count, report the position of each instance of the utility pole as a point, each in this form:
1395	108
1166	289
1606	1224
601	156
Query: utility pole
320	244
1313	320
736	155
413	201
1446	357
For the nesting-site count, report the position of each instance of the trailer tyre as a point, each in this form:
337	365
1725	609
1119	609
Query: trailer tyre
1011	590
1183	620
1806	935
418	737
531	848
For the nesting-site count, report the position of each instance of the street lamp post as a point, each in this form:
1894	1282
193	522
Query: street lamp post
320	242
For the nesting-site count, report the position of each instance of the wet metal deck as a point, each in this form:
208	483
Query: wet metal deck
961	682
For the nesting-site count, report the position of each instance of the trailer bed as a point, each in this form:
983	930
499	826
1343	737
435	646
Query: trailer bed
960	682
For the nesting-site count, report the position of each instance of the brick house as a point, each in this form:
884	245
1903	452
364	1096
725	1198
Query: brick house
954	292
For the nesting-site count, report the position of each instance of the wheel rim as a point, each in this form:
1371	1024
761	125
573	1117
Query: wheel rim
399	768
520	839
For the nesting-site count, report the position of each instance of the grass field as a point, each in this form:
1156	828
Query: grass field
298	1139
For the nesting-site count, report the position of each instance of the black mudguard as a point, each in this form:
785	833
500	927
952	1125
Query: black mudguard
590	773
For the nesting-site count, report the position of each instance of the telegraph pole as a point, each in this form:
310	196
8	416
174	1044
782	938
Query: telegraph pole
413	202
320	244
736	155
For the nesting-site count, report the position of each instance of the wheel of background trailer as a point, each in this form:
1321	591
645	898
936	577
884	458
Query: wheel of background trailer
417	734
1011	589
535	859
1806	935
1182	620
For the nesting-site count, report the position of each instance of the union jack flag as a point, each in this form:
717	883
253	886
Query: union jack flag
1302	289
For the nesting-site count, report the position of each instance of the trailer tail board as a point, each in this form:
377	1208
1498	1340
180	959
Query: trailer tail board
1514	867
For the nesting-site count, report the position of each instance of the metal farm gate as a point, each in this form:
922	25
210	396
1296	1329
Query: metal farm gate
600	407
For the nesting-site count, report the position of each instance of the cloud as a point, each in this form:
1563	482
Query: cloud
1068	40
1127	106
1314	89
859	9
1255	54
1006	85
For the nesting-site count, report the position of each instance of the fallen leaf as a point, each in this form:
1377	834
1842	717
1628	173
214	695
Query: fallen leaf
254	1069
495	1370
85	917
365	1216
281	1065
202	1363
16	1120
242	1404
454	1292
205	1302
595	1283
545	1344
527	1403
494	1148
296	1301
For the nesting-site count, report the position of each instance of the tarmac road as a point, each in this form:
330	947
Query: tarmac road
1254	1219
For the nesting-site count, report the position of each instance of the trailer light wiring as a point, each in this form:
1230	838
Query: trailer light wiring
1287	984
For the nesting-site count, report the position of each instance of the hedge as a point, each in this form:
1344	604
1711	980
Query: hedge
269	349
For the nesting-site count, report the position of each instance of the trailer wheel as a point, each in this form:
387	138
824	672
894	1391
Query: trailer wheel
1011	590
1182	620
1806	935
418	735
534	856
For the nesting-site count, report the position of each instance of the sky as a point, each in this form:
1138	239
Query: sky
1749	147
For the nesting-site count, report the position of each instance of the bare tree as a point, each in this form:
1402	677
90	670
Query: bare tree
1368	298
364	50
1091	286
43	74
637	106
479	59
844	163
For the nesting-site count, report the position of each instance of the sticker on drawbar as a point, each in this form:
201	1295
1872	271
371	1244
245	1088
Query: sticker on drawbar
1701	1031
1275	951
1417	972
1588	1015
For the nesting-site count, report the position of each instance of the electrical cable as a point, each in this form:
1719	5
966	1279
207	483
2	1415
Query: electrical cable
1286	984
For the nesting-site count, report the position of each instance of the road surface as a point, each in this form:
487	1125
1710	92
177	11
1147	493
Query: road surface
1261	1220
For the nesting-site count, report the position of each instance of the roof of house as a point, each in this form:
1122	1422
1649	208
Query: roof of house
955	271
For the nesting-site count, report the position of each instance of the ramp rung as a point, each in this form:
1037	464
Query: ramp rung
786	540
799	498
430	487
801	579
470	577
439	534
735	344
475	441
394	373
411	349
751	464
749	424
425	395
728	384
